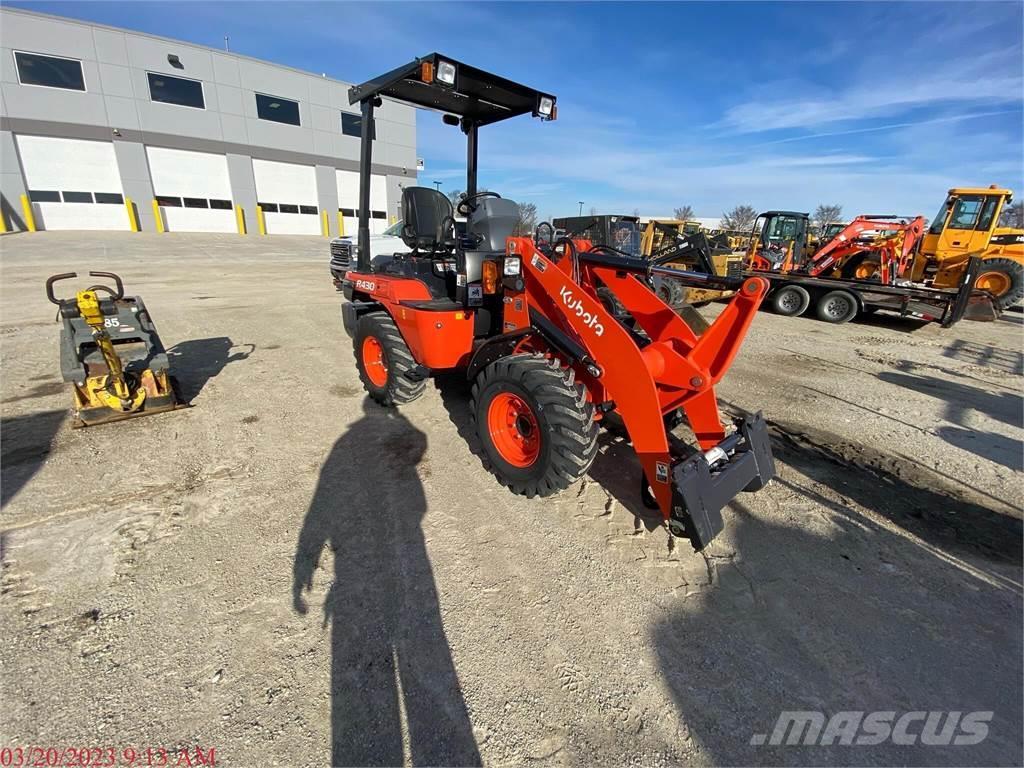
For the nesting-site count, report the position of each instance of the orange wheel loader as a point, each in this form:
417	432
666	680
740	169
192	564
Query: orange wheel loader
520	316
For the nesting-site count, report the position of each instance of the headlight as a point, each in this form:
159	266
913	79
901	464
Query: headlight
545	107
513	266
446	72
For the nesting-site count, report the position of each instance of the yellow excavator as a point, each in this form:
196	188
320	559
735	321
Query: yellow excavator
968	225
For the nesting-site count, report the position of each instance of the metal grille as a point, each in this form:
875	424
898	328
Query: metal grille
341	255
734	268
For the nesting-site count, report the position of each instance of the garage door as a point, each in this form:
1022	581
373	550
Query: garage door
192	189
73	183
287	194
348	201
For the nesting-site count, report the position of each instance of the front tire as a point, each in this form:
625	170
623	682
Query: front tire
535	424
1004	279
383	359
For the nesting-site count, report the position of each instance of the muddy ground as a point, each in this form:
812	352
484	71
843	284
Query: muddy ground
284	561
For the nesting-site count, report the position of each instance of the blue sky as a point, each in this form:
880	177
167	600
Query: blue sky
879	107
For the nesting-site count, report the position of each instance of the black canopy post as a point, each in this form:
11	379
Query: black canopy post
365	159
471	158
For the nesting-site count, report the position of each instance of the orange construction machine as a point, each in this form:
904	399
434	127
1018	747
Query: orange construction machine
521	318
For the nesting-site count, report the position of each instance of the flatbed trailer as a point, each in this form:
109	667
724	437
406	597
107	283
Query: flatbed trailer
838	300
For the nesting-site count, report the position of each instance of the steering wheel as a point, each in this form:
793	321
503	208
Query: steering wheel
464	207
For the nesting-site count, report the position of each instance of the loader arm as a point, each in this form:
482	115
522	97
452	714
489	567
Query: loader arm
644	379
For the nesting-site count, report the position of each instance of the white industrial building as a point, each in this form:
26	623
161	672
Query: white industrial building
103	128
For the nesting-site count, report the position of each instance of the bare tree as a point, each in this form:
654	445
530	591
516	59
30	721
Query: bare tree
827	214
454	196
636	212
1013	215
684	214
741	217
527	219
593	211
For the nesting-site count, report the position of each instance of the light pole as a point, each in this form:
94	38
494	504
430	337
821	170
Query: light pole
581	207
437	185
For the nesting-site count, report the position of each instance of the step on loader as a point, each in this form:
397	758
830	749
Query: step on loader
521	317
111	354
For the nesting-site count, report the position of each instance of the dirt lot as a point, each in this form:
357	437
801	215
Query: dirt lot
284	560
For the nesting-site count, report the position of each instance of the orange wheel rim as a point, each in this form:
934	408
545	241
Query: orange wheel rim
513	429
374	362
865	271
995	283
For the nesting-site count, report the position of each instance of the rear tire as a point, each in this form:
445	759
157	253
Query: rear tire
790	300
837	307
535	424
383	358
1006	276
670	292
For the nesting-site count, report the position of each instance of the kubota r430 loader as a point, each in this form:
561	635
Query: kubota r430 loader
522	319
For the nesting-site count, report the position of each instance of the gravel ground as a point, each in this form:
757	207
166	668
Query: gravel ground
284	561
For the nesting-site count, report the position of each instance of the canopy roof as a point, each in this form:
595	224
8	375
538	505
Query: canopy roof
477	96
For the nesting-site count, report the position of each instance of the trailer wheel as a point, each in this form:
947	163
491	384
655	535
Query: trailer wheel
790	300
1004	279
383	358
535	424
837	307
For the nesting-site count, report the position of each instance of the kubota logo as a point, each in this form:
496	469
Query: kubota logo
575	305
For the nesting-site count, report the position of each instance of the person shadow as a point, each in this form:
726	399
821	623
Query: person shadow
395	694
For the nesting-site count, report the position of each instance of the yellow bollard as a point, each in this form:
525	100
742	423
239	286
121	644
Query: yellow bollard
260	221
158	216
240	219
3	223
325	228
133	222
30	218
341	224
394	219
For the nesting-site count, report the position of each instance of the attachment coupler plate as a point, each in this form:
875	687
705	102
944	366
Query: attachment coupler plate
706	482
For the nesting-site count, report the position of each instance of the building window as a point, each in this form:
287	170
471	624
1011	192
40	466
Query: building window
308	209
44	196
78	197
176	90
168	202
277	109
196	202
378	215
109	197
268	207
50	71
347	211
220	205
288	208
352	125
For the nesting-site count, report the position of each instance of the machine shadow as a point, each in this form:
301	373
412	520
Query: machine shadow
909	495
27	442
798	622
195	361
390	658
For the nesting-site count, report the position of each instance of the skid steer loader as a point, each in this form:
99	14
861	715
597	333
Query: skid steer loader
111	354
522	319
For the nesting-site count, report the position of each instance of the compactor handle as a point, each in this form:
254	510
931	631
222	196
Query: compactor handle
53	279
117	281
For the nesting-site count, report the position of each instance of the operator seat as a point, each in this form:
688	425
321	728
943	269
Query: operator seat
427	220
427	229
